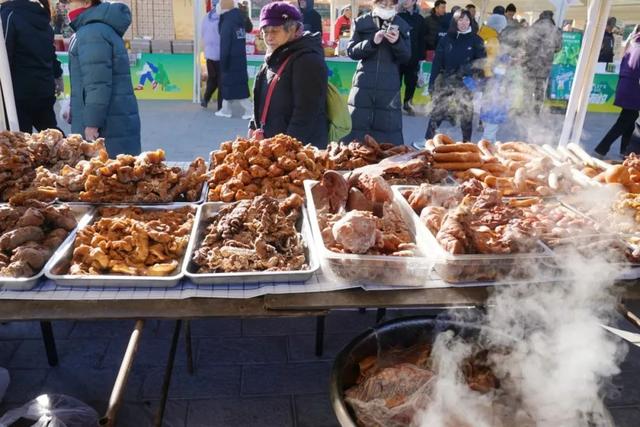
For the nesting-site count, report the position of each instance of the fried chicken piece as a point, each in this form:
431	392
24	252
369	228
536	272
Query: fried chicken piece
14	238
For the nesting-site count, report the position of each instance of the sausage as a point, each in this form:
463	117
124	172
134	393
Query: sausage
457	157
442	139
457	166
457	148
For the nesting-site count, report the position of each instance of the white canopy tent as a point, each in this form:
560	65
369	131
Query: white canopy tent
7	102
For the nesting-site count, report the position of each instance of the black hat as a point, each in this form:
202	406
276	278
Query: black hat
498	10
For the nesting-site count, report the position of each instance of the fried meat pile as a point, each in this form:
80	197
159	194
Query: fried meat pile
23	154
253	235
30	234
482	224
358	216
276	167
127	179
342	157
133	241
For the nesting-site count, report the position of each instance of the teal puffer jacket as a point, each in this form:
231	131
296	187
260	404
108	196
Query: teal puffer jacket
101	89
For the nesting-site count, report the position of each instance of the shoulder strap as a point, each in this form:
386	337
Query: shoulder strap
272	86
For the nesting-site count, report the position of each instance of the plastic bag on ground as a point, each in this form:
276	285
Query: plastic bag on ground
53	410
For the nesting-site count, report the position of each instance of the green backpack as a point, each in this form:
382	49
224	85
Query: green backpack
338	114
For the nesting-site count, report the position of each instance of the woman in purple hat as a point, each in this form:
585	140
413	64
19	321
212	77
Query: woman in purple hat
295	103
627	98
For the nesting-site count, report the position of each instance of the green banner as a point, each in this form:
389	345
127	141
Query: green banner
153	76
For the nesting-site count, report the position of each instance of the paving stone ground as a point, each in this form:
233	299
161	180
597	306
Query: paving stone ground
252	372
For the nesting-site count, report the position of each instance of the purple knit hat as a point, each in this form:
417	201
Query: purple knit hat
276	13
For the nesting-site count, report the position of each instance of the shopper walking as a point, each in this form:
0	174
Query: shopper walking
380	44
234	84
459	57
312	20
627	98
543	42
410	13
436	26
343	24
210	36
510	14
290	90
102	99
608	41
35	72
490	34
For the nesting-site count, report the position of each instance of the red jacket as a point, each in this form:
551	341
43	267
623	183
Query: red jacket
342	24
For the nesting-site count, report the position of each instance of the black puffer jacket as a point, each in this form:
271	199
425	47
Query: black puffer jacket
374	100
299	100
416	22
32	56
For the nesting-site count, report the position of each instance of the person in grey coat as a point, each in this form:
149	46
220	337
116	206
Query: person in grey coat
102	99
380	44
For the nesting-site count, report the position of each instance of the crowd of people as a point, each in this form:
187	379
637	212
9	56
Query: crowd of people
471	62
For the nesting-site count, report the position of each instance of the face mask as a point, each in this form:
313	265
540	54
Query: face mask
384	14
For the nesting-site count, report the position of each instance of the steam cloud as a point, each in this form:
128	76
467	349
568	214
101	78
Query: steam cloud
558	356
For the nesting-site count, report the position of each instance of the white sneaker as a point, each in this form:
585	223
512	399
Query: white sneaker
221	113
247	116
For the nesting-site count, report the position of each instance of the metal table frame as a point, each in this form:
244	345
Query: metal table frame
283	305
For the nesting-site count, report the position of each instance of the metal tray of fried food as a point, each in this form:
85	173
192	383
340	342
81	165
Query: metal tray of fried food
205	212
82	214
60	260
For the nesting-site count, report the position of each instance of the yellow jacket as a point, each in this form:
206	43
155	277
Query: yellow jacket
492	46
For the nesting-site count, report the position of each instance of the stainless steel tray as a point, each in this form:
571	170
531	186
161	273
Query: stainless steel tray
204	213
65	252
81	213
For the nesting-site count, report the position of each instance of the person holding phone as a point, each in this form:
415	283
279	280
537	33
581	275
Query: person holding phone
380	44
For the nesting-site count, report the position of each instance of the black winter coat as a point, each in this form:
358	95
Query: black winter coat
311	19
543	41
233	56
299	100
457	56
416	22
32	56
435	27
374	100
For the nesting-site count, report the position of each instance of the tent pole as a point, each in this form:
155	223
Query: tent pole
197	48
7	87
580	73
581	113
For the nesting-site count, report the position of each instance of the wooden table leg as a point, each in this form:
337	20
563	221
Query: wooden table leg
123	375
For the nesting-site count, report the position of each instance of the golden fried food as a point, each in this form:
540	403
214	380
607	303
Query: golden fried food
276	167
133	241
253	235
341	156
130	179
29	235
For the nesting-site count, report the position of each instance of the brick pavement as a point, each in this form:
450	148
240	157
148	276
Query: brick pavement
252	372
